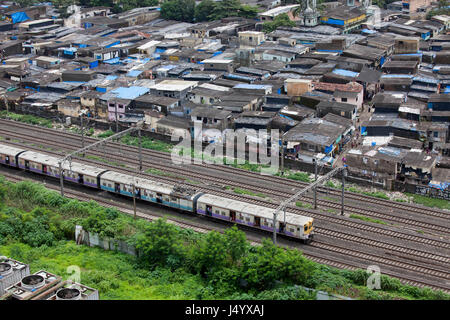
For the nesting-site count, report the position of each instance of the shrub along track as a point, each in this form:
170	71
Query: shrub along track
436	222
319	251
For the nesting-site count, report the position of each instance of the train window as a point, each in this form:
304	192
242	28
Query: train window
217	211
247	219
291	229
298	228
306	228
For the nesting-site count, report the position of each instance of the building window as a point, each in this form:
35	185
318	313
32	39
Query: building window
436	134
344	99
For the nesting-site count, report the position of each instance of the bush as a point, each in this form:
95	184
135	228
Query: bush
161	244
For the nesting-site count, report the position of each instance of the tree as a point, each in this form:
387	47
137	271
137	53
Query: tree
269	263
248	11
203	10
179	10
281	20
161	245
225	8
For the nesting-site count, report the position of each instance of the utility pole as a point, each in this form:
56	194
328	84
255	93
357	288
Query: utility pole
94	145
344	172
117	118
282	152
315	179
61	178
82	133
140	150
134	198
283	204
275	213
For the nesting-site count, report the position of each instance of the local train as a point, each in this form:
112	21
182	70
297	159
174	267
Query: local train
175	196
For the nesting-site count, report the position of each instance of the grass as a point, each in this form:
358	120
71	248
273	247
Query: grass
331	210
247	192
105	134
26	118
298	176
368	219
430	202
376	194
147	143
117	276
303	205
97	158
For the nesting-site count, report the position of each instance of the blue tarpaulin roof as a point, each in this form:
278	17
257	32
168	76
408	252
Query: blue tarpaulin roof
346	73
134	73
130	93
368	31
19	17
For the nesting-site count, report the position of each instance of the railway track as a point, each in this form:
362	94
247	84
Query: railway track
294	209
244	173
439	226
314	255
437	261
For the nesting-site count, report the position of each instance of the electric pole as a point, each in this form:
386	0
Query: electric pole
315	179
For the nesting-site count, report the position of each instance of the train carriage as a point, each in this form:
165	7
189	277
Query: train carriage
255	216
8	155
149	190
83	174
39	163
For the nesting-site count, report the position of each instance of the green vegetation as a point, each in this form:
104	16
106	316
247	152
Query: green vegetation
36	226
298	176
368	219
442	9
147	143
400	200
330	184
207	10
430	202
282	20
376	194
248	192
26	118
97	158
303	205
106	134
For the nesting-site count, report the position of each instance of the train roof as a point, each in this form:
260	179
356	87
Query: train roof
39	157
244	207
53	161
139	182
11	151
83	168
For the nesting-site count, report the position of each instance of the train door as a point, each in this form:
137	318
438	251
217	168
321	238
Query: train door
7	159
44	169
81	179
137	192
282	227
208	210
257	222
159	198
233	215
117	187
27	164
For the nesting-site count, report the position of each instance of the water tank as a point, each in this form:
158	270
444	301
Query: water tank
68	294
32	282
5	269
